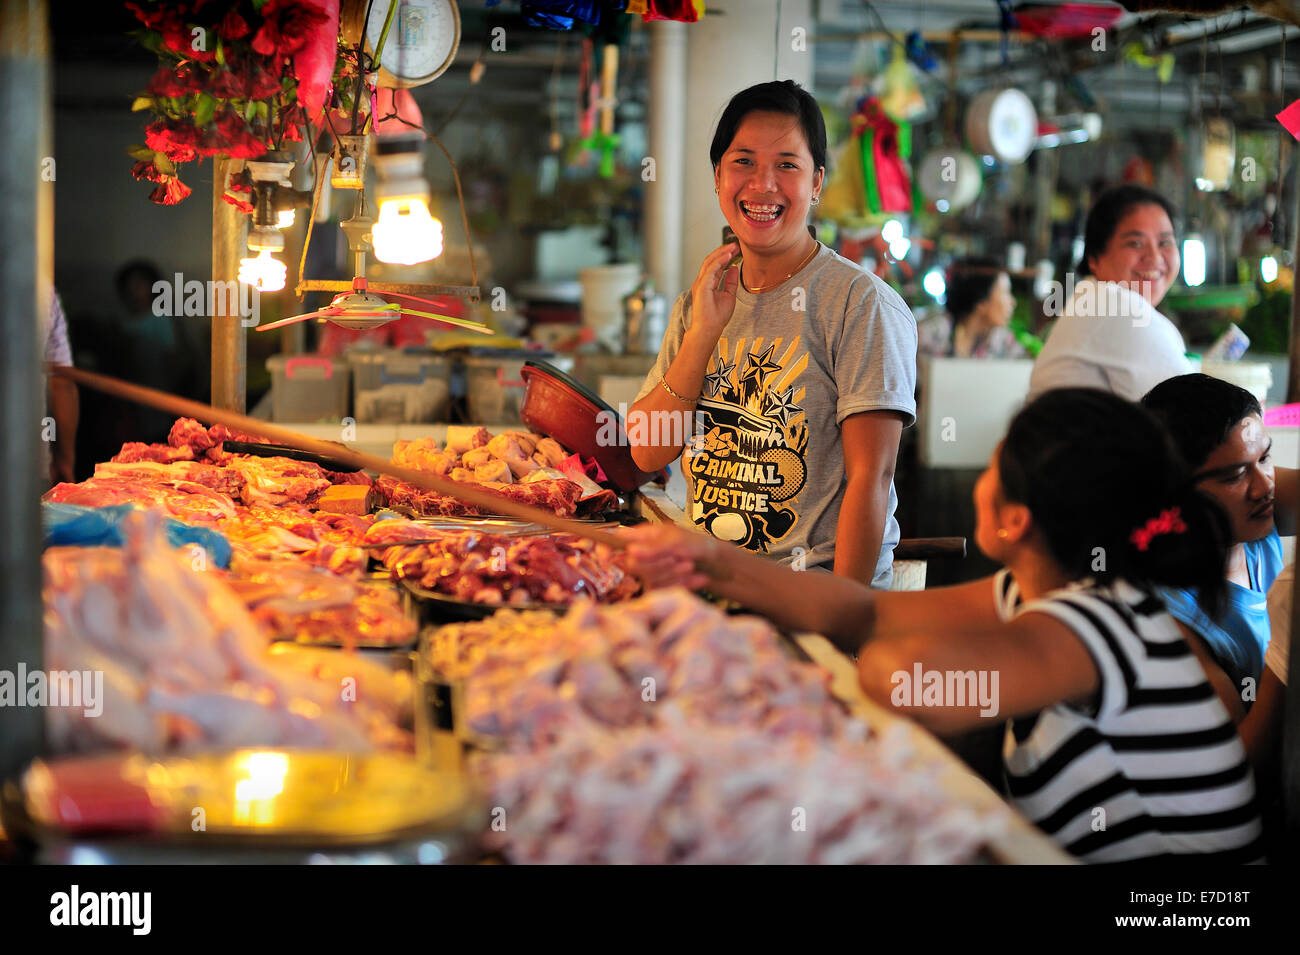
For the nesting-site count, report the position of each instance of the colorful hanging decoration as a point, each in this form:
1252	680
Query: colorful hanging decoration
884	147
1290	119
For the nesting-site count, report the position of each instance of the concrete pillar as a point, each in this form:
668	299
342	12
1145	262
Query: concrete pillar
663	196
737	44
26	271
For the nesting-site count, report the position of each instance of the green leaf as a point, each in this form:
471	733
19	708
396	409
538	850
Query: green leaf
250	110
164	165
205	109
221	53
142	153
142	102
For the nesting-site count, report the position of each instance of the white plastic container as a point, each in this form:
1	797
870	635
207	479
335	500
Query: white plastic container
393	386
309	388
603	289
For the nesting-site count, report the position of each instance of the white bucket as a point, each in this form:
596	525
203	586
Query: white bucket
1255	376
603	290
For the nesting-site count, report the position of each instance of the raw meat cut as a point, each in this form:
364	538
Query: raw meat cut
531	678
296	601
501	569
711	795
558	496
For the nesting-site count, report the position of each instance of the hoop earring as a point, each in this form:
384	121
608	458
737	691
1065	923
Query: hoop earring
816	199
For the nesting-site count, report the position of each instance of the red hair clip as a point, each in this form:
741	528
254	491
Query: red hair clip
1169	522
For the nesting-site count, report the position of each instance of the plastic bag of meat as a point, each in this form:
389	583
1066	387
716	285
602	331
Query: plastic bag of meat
183	664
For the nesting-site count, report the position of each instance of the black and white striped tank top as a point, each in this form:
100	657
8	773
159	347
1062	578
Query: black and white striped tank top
1154	767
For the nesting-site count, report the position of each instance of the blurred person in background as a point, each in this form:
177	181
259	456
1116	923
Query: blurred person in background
61	393
979	307
1110	335
160	351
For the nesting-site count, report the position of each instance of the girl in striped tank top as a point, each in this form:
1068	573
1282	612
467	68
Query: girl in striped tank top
1122	745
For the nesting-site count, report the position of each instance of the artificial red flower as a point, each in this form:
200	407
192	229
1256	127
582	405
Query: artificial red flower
145	170
179	81
233	26
240	182
230	135
174	139
292	134
170	191
242	205
223	84
261	84
287	28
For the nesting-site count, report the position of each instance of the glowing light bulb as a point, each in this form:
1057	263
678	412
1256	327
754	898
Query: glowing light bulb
405	233
899	248
934	284
891	231
1193	260
264	273
286	219
1268	269
941	205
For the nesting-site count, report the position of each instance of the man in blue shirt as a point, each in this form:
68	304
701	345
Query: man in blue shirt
1219	428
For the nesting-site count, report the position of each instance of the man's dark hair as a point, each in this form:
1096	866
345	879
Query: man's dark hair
778	96
1199	412
1104	217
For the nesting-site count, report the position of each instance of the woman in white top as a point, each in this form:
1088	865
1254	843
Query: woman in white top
1121	744
1110	335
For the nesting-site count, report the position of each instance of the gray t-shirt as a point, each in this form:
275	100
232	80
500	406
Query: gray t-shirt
766	468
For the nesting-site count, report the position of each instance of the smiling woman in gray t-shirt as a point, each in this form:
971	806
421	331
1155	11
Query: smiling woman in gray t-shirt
797	366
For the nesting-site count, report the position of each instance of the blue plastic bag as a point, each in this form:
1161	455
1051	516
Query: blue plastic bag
73	525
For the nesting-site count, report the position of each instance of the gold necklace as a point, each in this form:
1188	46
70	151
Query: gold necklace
798	268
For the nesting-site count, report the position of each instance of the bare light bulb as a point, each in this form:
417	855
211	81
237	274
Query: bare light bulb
285	220
406	234
264	273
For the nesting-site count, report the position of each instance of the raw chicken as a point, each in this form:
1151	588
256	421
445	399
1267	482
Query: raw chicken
185	664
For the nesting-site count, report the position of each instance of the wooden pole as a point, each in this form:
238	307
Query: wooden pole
469	493
229	352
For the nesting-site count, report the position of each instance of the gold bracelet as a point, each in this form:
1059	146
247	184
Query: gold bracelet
668	388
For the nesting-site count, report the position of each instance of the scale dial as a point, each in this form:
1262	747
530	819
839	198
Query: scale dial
421	43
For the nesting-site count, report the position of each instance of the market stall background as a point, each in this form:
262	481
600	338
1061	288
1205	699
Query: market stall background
540	207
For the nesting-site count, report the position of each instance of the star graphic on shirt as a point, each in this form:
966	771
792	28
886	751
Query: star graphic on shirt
719	378
780	404
757	367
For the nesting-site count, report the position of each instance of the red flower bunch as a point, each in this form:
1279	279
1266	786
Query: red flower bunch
226	82
287	27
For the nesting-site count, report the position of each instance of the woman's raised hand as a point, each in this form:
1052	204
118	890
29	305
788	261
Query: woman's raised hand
713	296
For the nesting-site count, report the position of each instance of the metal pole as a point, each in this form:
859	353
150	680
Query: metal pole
26	226
229	354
